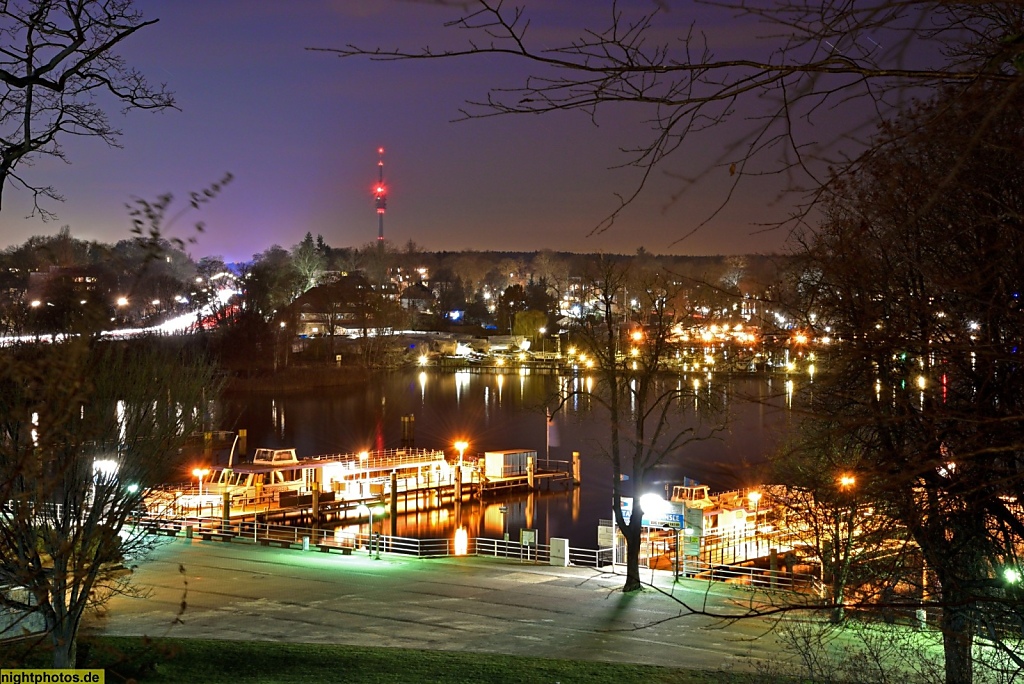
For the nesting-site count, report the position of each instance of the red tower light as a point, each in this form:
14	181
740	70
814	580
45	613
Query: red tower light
380	195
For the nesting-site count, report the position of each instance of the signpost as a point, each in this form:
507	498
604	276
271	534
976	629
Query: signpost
528	539
687	523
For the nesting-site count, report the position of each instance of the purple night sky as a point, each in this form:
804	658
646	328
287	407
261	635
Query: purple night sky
300	131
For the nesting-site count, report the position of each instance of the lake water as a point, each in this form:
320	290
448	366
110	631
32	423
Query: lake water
495	412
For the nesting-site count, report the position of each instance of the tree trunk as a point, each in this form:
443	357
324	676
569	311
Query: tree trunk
632	534
838	598
957	642
64	637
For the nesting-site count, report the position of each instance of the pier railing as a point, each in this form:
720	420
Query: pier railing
384	459
360	542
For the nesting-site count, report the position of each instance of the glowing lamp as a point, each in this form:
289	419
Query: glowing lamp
461	542
200	473
461	446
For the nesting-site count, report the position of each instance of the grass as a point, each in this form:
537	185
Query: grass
234	662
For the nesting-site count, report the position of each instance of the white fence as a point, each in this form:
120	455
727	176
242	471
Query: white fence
287	536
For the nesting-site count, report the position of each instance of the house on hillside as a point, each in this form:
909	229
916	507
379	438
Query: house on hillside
333	309
418	298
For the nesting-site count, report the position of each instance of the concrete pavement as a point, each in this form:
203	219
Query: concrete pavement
246	592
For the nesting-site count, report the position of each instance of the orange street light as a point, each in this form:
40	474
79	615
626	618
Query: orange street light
847	481
461	445
363	458
200	473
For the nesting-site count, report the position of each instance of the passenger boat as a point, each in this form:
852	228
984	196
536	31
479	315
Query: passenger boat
277	477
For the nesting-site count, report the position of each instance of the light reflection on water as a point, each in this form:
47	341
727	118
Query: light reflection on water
507	412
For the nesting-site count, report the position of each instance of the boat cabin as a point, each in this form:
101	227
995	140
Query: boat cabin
697	496
275	457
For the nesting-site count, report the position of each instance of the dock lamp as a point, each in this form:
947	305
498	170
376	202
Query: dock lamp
201	473
654	505
364	457
379	510
754	497
363	509
461	445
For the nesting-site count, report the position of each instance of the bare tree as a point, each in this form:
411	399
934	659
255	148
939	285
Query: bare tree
916	270
841	521
805	63
58	60
648	421
85	428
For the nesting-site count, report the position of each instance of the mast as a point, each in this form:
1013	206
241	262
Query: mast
380	195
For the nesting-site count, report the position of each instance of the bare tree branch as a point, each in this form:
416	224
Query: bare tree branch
56	61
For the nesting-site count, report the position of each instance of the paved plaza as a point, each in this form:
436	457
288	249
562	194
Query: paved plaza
242	591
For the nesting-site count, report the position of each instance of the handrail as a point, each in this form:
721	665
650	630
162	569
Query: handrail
361	542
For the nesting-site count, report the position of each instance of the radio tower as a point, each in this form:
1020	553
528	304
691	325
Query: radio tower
380	196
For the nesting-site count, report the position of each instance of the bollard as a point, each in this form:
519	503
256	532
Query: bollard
305	543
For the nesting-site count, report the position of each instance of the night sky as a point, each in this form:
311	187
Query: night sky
299	130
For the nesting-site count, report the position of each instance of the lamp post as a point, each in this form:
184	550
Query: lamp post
543	342
363	458
379	510
363	509
461	446
843	546
503	509
201	473
754	497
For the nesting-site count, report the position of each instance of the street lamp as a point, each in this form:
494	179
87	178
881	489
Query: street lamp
461	445
842	551
363	509
543	342
379	510
363	457
754	497
201	473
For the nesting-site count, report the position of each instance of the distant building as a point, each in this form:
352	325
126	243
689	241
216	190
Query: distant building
417	298
333	309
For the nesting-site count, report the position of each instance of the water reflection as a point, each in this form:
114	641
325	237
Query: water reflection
478	407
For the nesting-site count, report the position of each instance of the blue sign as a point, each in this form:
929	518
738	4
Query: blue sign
676	518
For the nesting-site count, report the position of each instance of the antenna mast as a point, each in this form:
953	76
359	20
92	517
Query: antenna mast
380	195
